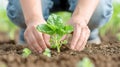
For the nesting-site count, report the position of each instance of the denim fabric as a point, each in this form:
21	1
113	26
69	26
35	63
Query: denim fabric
101	15
15	13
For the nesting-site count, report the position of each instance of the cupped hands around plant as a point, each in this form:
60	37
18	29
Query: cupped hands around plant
80	34
37	41
56	29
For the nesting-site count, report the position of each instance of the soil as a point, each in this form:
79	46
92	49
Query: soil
106	54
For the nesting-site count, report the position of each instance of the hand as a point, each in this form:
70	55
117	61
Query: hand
37	41
80	34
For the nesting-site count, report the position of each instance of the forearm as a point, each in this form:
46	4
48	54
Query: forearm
85	9
32	10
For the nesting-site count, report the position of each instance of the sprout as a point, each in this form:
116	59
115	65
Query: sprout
86	62
56	29
47	52
26	52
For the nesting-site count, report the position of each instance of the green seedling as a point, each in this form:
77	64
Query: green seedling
26	52
86	62
47	52
56	28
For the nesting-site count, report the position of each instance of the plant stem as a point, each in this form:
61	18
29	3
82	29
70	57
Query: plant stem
55	39
57	43
58	46
58	49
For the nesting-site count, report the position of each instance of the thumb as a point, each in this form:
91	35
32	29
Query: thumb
47	39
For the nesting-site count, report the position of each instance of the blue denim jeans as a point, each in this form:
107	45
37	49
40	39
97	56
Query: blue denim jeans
99	18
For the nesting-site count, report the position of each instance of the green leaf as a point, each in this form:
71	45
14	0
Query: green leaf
45	29
59	22
26	52
51	20
60	31
55	20
47	52
68	29
53	46
53	27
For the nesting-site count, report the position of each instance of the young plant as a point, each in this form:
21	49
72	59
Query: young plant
85	63
56	29
26	52
47	52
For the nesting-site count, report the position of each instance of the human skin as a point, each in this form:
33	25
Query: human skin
38	41
79	20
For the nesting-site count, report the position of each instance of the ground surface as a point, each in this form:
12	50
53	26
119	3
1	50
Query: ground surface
106	54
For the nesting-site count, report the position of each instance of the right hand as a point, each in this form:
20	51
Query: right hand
36	40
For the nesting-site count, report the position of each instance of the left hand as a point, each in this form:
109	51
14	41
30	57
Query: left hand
80	34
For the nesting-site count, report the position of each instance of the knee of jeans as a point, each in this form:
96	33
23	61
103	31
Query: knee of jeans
101	15
46	6
15	13
94	34
72	4
17	20
21	34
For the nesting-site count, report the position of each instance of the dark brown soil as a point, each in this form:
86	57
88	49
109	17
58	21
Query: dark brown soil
106	54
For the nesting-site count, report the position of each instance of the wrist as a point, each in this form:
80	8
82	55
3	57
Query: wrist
80	19
34	21
80	16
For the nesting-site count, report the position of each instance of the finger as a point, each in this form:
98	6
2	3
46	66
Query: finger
81	39
64	37
85	42
67	37
39	39
31	48
47	39
76	35
29	45
83	46
28	41
34	44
